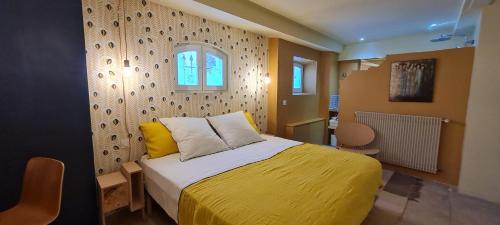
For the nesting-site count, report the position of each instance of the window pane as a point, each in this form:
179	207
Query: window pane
297	77
214	70
187	68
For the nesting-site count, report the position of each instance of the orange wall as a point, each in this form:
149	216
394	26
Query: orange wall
272	98
369	91
328	66
299	107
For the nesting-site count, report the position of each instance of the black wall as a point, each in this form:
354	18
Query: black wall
44	101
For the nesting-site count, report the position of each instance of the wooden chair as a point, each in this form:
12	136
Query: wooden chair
40	200
354	137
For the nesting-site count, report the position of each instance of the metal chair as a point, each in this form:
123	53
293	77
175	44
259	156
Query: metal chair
354	137
40	200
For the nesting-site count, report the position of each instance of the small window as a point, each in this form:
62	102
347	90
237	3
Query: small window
200	67
188	68
298	76
188	65
215	70
304	74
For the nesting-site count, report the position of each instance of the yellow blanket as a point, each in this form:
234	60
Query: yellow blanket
306	184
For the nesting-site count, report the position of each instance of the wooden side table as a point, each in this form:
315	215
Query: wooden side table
135	180
113	193
121	189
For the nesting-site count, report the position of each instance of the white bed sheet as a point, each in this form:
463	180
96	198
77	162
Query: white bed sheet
167	176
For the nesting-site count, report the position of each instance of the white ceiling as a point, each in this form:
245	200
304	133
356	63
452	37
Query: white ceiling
342	21
199	9
349	20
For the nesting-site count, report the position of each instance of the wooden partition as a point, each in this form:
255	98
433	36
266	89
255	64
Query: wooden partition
369	91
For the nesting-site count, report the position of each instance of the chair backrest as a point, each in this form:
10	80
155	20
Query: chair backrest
354	134
42	185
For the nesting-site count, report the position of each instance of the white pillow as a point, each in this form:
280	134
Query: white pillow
235	129
194	137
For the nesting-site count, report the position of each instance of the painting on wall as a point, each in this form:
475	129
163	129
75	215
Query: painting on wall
412	81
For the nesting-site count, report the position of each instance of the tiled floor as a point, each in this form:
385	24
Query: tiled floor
435	204
440	205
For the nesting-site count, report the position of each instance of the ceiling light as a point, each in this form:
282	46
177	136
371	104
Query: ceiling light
361	39
434	26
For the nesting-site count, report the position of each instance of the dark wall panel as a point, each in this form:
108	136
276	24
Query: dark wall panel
44	101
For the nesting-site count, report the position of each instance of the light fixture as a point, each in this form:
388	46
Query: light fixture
127	70
362	39
437	26
433	26
267	80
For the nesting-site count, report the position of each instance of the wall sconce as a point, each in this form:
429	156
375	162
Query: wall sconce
267	79
127	70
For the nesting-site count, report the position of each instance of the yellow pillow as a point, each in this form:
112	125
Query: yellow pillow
250	120
158	139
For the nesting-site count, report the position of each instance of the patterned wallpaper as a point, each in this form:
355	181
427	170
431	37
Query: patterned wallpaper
118	103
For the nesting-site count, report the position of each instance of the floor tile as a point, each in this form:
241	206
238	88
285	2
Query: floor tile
436	187
387	210
386	176
431	207
466	210
391	203
419	214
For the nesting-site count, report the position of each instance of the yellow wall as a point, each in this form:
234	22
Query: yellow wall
480	174
272	109
369	91
299	107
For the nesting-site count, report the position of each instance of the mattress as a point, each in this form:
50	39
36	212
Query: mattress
167	176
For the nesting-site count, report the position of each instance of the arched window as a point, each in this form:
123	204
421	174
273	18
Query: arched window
200	67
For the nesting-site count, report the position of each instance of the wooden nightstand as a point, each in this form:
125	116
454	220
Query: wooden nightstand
135	180
121	189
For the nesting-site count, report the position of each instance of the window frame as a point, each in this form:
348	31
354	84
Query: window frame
225	68
183	48
301	89
201	49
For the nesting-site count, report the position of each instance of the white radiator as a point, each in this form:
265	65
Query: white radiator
405	140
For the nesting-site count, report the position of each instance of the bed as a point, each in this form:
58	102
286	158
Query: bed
277	181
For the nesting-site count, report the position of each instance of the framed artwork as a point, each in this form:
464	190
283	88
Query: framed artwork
412	81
